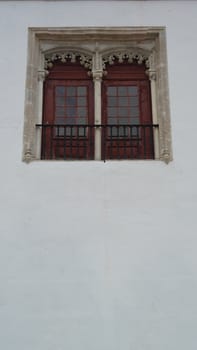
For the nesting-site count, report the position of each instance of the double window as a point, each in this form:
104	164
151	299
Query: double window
69	125
102	100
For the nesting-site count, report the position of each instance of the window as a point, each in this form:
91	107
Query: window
102	99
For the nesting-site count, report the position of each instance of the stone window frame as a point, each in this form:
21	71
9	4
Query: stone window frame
96	46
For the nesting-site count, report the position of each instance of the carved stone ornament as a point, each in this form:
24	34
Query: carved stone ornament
72	56
28	156
42	74
130	55
166	156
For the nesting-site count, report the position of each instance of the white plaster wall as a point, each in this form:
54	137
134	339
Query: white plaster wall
93	255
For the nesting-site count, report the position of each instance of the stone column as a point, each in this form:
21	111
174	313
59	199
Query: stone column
152	77
97	77
41	78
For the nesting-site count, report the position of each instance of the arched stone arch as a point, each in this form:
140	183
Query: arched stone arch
71	54
130	54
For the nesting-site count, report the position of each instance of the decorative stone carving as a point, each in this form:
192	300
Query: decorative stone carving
42	75
97	75
130	55
28	156
72	56
152	74
152	66
166	156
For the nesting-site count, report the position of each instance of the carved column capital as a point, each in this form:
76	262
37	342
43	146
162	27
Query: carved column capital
97	75
42	75
151	74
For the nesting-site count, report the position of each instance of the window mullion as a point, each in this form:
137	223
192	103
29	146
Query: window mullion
97	77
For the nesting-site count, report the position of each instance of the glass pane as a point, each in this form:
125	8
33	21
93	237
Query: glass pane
81	90
81	121
122	131
60	112
59	120
71	112
82	131
70	121
60	101
123	101
112	112
134	120
118	131
134	112
60	90
135	131
123	121
71	101
111	91
132	90
112	121
81	101
82	112
112	101
122	90
123	112
71	91
113	131
60	131
133	101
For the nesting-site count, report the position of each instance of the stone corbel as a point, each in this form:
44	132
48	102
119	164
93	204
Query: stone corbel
152	74
165	156
28	157
42	75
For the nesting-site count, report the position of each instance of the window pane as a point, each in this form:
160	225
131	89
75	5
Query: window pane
123	101
134	112
82	112
60	101
81	121
60	90
134	121
81	90
82	131
112	121
71	91
123	121
71	112
122	90
60	112
71	101
70	121
59	131
123	112
132	90
112	101
59	120
133	101
111	91
112	112
81	101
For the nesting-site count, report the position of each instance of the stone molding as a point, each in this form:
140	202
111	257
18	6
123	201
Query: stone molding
95	48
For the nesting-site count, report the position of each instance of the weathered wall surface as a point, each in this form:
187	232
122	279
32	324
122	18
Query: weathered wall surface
93	255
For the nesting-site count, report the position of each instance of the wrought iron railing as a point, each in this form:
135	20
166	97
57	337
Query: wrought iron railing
72	142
